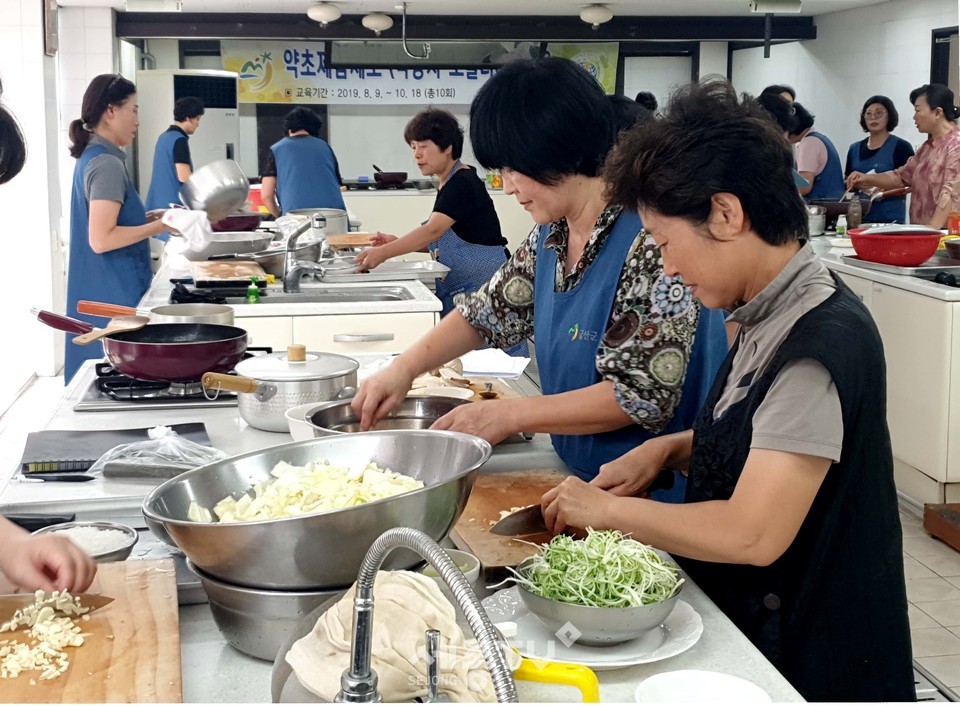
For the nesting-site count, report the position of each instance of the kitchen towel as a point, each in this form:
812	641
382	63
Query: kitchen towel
55	450
492	362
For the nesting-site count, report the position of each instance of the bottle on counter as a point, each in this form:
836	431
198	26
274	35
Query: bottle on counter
253	292
841	225
497	181
854	213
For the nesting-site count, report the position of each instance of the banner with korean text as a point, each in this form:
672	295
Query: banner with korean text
293	71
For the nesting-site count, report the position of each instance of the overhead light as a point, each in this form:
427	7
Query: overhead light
377	22
323	13
596	15
769	7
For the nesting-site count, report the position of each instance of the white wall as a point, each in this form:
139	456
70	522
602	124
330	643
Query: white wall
659	75
713	58
882	49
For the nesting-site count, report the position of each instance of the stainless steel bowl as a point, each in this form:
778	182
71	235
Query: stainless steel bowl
230	243
953	248
118	554
597	626
255	621
413	413
219	188
326	549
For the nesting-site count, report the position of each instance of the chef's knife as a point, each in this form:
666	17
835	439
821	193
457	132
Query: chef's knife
13	602
65	477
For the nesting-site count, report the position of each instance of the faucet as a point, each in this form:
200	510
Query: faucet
293	269
358	684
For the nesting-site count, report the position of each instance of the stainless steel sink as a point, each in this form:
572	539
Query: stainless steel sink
332	295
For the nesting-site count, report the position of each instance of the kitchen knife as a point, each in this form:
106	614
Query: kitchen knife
44	476
13	602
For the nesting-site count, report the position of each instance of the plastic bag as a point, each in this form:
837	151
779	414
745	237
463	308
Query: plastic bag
192	225
164	455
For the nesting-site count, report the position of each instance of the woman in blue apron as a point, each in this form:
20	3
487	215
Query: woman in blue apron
624	351
790	522
817	159
109	252
881	152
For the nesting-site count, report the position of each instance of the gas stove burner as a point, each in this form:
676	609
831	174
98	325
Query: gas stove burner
185	389
120	387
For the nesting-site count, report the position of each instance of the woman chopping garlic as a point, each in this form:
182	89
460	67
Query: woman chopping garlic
790	522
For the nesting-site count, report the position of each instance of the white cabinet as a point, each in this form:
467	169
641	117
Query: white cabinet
859	286
274	331
362	333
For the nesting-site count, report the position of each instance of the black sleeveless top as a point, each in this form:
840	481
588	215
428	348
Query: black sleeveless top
831	612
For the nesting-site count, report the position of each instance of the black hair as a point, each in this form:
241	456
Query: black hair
777	88
893	117
627	112
938	96
779	110
647	100
438	126
546	119
710	142
804	119
13	148
303	119
186	108
104	90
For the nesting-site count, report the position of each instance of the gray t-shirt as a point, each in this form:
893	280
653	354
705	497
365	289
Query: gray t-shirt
801	411
106	178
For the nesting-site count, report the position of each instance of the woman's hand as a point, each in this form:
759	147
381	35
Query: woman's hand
370	258
857	180
632	473
489	420
578	505
381	393
382	238
46	562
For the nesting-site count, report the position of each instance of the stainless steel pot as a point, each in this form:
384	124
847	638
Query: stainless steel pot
272	384
199	313
336	220
817	219
412	413
219	188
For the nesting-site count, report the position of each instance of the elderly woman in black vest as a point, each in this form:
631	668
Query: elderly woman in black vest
790	521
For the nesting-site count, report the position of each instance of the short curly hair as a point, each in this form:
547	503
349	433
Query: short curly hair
438	126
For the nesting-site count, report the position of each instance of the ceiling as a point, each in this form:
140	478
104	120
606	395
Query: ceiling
514	8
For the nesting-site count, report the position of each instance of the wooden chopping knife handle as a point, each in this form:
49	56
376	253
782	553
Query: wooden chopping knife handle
104	309
233	383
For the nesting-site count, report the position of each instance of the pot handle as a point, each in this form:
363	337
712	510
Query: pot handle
62	323
347	393
104	309
903	190
233	383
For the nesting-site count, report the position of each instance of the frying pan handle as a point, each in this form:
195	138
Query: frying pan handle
903	190
233	383
63	323
104	309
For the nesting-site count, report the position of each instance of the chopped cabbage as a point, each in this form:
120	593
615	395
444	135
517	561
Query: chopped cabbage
302	490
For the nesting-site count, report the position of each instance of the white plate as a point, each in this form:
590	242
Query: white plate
698	686
678	633
457	393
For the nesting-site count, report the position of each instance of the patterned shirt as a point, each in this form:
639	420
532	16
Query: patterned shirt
647	343
934	175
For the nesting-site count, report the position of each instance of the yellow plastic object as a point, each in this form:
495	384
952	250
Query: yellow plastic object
944	239
271	279
576	675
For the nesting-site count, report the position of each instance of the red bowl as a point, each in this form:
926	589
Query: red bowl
902	250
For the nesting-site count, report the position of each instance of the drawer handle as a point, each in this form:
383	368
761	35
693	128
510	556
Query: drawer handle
361	337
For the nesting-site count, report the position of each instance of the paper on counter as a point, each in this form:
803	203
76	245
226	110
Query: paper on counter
493	362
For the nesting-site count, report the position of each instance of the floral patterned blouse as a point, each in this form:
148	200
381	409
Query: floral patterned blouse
647	343
934	174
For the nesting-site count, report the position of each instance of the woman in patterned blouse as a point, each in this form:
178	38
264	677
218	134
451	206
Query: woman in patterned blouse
614	335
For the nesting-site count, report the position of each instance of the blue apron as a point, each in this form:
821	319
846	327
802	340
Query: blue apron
119	276
471	266
886	210
829	183
568	328
306	174
164	183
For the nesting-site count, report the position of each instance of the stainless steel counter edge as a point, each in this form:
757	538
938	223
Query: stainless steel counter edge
832	259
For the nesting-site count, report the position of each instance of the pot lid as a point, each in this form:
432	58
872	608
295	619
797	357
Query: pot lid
296	364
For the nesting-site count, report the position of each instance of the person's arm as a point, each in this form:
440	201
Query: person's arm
810	177
181	159
268	194
415	241
104	233
47	561
848	167
884	180
183	172
811	159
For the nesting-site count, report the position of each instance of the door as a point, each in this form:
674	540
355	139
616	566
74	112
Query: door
658	74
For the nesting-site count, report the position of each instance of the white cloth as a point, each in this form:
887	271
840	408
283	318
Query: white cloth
492	362
192	225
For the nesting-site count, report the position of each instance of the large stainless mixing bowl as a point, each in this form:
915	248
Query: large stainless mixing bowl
324	550
219	188
338	417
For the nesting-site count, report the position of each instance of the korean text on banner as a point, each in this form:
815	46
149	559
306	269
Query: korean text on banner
600	60
297	72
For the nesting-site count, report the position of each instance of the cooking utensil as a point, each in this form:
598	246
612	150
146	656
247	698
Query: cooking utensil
382	177
340	241
271	260
271	384
165	352
527	521
335	220
56	477
116	325
119	553
219	188
10	604
232	273
835	208
233	243
239	221
321	550
953	248
816	219
165	314
906	250
338	417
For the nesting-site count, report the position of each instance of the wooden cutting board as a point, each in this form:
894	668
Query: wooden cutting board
131	650
492	493
229	273
502	389
350	240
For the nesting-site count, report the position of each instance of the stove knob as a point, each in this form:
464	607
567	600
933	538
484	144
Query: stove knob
946	278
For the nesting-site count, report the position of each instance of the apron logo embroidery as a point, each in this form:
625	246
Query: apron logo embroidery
586	336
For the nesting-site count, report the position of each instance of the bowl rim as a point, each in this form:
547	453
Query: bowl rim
247	590
132	534
486	450
323	406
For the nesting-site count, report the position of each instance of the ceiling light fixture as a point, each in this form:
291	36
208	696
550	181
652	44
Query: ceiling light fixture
324	13
596	15
377	22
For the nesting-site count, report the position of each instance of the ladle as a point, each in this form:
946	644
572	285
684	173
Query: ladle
116	325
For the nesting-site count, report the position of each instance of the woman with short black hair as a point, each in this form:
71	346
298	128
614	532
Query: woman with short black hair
933	173
623	351
880	152
790	522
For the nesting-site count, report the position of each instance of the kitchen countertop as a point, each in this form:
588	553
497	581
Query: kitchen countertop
928	288
215	672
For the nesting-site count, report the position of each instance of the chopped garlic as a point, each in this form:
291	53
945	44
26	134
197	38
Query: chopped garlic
48	624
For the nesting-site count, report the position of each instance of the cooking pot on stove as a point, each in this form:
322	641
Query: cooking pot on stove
272	384
334	221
